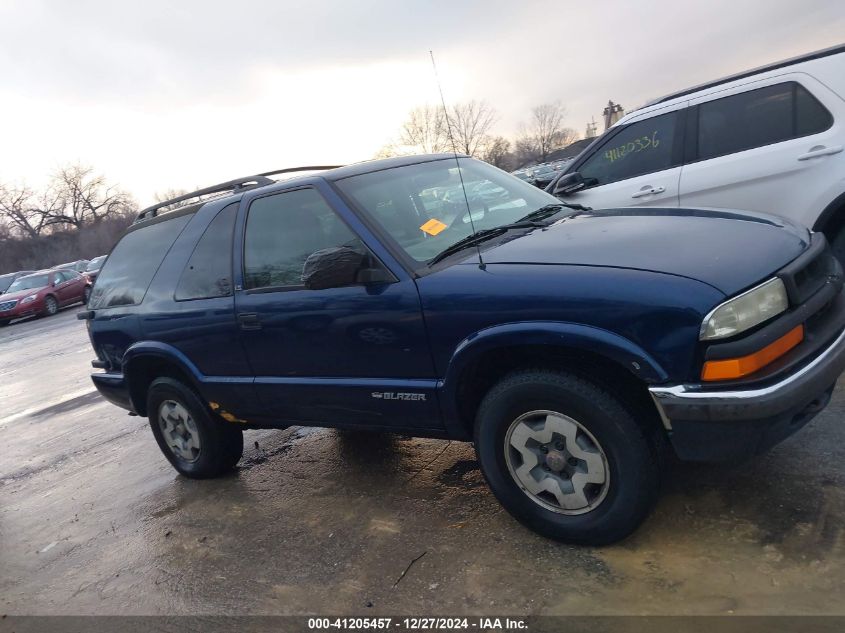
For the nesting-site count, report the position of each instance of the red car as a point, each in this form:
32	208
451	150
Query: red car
43	293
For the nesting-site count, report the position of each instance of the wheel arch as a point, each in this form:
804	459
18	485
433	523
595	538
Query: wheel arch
144	362
487	356
832	219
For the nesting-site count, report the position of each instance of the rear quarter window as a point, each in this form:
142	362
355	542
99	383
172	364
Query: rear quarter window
133	263
208	273
760	117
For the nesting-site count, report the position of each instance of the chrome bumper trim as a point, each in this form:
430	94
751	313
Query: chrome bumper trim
828	365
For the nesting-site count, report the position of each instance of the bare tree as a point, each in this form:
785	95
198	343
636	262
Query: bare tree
78	215
426	129
86	197
21	210
388	150
470	125
545	133
169	194
498	153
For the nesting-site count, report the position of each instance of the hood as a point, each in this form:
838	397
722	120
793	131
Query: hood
20	294
730	251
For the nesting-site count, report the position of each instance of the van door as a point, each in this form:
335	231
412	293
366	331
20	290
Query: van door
638	165
352	353
774	145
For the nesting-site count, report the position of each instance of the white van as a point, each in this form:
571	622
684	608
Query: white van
770	140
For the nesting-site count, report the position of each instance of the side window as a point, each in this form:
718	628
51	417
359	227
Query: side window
208	272
133	263
283	230
60	276
641	148
758	117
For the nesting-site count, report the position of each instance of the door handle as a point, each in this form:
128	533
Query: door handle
821	150
249	321
648	191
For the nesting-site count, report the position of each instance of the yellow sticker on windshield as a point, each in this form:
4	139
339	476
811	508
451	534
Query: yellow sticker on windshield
433	226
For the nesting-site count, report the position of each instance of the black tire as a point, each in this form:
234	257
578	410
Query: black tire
632	458
4	322
221	443
51	306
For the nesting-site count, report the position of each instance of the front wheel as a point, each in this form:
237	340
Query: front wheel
195	443
565	457
51	306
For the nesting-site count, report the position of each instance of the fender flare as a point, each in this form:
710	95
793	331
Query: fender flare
574	336
163	351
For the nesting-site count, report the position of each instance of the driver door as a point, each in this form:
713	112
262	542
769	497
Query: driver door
64	286
639	165
349	355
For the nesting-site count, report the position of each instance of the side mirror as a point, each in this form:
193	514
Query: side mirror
332	267
568	183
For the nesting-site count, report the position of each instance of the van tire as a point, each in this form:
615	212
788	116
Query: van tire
607	434
197	444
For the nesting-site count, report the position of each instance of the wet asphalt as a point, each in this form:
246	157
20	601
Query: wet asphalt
93	520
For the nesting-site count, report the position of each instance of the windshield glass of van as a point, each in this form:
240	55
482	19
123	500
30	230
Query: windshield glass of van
424	209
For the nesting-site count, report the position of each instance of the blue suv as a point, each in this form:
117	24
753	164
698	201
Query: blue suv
438	296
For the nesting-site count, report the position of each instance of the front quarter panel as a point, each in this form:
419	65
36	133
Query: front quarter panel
622	314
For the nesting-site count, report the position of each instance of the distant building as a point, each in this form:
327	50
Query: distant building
612	113
592	129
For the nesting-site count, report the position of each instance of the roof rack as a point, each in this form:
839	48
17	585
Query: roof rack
238	184
833	50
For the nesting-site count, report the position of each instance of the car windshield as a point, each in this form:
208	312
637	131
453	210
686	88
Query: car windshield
5	282
28	283
423	206
95	263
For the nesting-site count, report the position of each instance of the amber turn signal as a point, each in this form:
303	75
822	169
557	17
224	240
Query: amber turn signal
738	367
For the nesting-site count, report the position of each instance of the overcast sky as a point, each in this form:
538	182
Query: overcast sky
175	93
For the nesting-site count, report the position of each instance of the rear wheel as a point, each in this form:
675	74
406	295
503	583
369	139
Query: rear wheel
197	444
565	457
51	306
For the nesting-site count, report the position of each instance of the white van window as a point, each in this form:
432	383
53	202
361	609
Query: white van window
641	148
759	117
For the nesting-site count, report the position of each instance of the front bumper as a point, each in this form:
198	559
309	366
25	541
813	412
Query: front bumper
21	310
711	425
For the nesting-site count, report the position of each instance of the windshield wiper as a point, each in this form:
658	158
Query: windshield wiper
481	236
548	210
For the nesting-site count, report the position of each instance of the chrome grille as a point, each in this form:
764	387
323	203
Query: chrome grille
8	305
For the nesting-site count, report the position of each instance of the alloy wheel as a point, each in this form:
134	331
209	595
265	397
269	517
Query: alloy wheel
179	430
557	462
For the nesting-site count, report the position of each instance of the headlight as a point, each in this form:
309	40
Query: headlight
745	311
29	299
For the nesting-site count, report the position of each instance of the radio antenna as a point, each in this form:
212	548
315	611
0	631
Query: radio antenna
481	264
